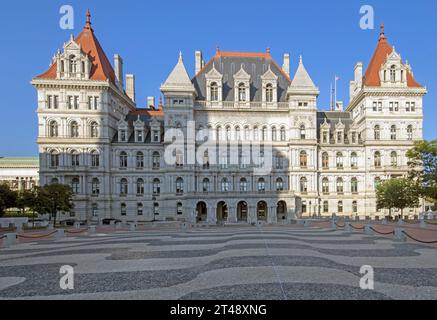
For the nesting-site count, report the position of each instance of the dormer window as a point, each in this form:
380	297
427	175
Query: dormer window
123	135
393	73
214	92
73	64
241	92
139	136
269	93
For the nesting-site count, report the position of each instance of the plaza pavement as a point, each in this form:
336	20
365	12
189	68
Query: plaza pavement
233	262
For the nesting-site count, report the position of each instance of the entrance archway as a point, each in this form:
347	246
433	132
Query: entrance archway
201	212
222	212
281	211
242	211
261	211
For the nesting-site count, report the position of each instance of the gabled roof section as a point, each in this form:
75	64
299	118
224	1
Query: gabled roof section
255	64
383	49
178	80
101	69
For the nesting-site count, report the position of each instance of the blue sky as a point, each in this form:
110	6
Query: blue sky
150	34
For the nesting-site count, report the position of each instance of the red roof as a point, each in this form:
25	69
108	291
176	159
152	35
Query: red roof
101	68
148	112
371	77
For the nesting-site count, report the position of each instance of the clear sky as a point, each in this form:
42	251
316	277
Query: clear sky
150	34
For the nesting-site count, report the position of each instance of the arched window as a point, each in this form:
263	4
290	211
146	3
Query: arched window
246	133
325	160
410	132
140	160
303	159
393	132
325	185
354	160
140	208
95	187
354	185
179	208
179	159
225	185
264	134
53	129
156	160
123	159
325	206
123	209
95	159
74	129
205	185
279	184
156	187
206	160
269	93
54	159
377	132
340	187
394	159
237	134
242	92
340	207
303	185
228	133
75	183
261	185
255	134
283	134
243	185
140	187
179	186
94	128
214	92
123	187
339	160
302	132
54	181
274	134
218	133
75	159
393	73
377	159
73	64
354	207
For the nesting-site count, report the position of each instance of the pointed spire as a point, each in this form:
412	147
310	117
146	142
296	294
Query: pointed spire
302	81
88	20
382	33
178	80
217	50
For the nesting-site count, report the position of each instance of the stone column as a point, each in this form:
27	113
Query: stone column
272	216
212	214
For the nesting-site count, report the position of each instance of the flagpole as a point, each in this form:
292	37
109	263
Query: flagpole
330	94
335	94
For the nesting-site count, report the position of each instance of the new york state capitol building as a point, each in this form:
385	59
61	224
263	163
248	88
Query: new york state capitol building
93	137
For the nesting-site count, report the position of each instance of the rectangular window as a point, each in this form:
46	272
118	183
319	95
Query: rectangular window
407	107
155	136
380	106
49	102
375	106
390	108
90	103
70	102
413	106
76	102
55	102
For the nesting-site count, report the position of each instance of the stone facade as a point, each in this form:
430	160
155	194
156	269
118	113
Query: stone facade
93	137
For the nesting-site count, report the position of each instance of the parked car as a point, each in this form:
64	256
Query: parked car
68	222
109	221
428	215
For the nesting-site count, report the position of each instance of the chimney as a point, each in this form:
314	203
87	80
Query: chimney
199	61
286	65
118	69
130	86
359	73
150	102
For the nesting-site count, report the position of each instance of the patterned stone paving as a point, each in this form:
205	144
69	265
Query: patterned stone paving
273	263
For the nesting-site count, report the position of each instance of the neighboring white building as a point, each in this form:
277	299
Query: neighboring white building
93	137
19	173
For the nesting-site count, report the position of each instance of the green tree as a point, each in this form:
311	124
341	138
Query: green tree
397	194
423	168
54	198
33	200
8	198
